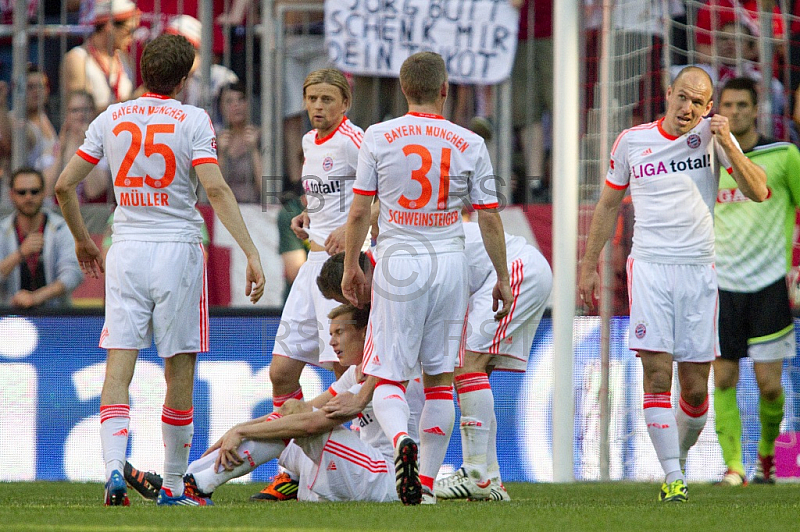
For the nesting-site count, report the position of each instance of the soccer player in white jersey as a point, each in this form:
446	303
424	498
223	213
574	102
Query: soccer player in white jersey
333	462
331	155
671	168
490	345
422	167
155	273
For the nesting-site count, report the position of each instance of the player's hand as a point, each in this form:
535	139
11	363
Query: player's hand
501	292
33	243
354	283
300	223
254	286
90	258
721	129
228	457
24	299
344	405
588	283
335	241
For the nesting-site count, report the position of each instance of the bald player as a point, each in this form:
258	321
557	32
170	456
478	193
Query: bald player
671	168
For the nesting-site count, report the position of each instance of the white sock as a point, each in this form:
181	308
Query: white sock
492	466
663	431
177	429
254	453
435	428
114	423
477	409
391	409
691	420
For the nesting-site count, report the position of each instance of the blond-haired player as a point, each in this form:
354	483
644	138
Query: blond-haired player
155	272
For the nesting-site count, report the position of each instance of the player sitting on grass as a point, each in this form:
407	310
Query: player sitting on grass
490	345
334	462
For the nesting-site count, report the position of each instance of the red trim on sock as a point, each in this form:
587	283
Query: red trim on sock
472	382
390	383
694	411
278	400
442	393
657	400
273	416
178	418
426	481
109	411
397	437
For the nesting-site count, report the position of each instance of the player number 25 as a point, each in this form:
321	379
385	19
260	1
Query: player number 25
421	176
151	147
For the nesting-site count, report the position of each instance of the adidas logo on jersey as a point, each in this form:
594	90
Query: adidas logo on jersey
435	430
331	466
648	151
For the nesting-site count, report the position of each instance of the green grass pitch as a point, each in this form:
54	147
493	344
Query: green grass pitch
41	506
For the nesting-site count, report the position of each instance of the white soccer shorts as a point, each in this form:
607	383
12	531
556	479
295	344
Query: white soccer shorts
156	291
304	330
511	338
417	321
674	309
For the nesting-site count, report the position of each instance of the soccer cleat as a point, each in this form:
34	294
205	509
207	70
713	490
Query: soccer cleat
499	492
146	484
406	472
282	488
190	487
165	498
428	497
674	492
732	478
765	470
460	485
116	491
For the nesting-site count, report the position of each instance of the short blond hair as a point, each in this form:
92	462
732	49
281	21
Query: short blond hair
422	76
331	76
358	316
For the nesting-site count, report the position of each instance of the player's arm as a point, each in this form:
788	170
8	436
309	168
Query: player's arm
494	240
347	405
284	428
224	203
603	221
89	256
355	232
750	177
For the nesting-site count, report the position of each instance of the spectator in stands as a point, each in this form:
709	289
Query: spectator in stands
191	28
238	145
717	13
41	147
79	112
98	66
39	266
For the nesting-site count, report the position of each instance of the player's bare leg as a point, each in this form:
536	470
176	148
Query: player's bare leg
115	421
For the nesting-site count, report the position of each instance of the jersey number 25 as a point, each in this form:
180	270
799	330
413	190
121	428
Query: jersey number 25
151	147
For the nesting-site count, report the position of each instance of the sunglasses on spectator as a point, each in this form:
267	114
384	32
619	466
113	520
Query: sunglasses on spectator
27	191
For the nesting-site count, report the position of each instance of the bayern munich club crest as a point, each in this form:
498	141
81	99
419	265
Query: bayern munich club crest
693	141
327	163
640	330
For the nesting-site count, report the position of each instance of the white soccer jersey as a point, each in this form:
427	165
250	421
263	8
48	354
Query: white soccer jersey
370	430
329	170
674	183
150	144
424	169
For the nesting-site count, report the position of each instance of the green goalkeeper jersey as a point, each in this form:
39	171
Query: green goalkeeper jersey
754	240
